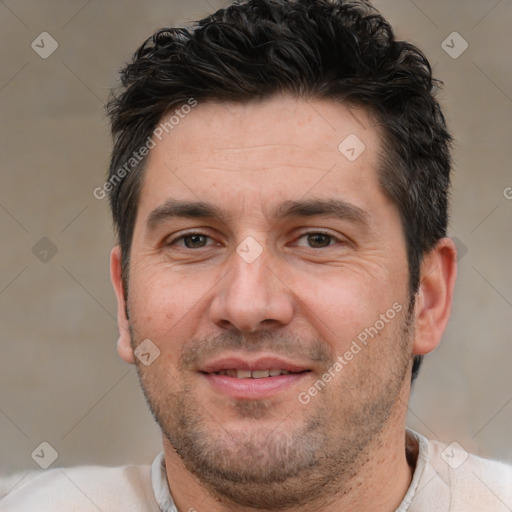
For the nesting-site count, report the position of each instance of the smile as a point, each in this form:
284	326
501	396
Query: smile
243	377
256	374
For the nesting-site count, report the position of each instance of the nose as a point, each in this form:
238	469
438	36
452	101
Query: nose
252	296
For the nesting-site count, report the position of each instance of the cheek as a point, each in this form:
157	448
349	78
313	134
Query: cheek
343	305
342	312
161	298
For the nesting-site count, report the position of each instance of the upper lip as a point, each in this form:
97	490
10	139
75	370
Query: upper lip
256	364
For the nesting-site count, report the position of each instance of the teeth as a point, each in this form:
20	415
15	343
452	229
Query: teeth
260	374
257	374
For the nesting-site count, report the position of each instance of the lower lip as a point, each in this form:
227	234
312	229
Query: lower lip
254	389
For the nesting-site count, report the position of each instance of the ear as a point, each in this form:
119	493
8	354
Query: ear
124	347
434	297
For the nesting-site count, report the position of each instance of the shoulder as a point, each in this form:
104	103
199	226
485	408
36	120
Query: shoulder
84	488
475	483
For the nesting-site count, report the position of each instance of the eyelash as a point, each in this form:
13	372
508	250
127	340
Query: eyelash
199	233
185	235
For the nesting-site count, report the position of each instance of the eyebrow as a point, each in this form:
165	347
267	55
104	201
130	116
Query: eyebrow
174	208
326	207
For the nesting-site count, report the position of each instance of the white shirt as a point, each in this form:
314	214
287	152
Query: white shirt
446	479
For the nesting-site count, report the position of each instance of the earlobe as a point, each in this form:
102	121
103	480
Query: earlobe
124	347
434	297
125	350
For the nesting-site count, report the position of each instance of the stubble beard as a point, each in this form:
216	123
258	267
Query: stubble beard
272	467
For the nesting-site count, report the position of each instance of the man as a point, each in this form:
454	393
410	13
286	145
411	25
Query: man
279	185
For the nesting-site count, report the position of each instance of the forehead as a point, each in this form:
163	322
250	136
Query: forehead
255	153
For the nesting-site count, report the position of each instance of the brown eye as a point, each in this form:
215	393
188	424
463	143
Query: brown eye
194	241
319	240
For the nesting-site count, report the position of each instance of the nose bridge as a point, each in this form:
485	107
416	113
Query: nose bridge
250	294
249	280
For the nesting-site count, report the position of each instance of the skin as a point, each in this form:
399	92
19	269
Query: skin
304	299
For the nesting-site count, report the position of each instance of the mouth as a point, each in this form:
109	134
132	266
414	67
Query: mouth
256	374
252	378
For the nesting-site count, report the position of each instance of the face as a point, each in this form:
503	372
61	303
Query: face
269	272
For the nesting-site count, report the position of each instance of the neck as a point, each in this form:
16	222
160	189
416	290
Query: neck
380	483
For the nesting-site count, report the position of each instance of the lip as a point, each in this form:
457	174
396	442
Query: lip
252	389
261	363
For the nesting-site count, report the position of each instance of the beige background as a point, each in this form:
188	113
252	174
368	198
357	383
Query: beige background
60	378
